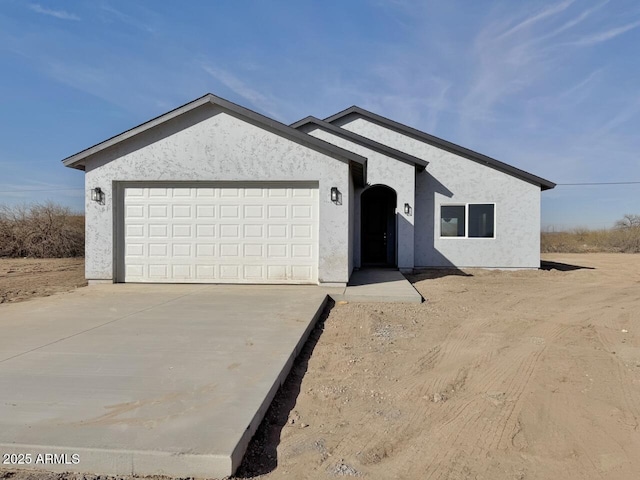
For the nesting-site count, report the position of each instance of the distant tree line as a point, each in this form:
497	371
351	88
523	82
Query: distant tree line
41	230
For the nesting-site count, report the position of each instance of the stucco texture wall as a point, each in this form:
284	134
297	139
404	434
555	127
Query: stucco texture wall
452	179
210	144
382	170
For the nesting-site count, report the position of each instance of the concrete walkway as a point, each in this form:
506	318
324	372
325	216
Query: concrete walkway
147	379
377	285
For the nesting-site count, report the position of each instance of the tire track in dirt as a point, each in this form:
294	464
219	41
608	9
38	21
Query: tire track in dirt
480	428
476	427
607	328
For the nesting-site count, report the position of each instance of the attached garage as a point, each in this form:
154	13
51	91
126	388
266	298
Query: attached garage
220	233
215	193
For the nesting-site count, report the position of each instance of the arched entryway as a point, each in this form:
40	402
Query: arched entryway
378	226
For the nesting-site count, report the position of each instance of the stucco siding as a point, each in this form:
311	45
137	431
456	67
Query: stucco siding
212	145
452	179
382	170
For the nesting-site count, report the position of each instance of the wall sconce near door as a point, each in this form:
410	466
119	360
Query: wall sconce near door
407	209
336	196
97	195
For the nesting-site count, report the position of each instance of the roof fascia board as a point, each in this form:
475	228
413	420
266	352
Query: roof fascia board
75	161
364	141
443	144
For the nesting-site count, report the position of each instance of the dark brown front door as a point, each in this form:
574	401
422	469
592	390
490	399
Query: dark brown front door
378	226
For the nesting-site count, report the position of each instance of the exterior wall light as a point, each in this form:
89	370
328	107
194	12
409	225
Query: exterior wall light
335	195
407	209
97	195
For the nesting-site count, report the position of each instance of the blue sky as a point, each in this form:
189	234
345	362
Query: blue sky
552	87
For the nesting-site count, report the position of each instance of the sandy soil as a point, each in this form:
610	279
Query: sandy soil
499	375
21	279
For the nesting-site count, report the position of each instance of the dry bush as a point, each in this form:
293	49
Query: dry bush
43	230
575	241
623	238
626	239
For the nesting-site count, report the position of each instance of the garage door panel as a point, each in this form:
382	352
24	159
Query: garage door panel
230	230
181	271
133	270
135	230
301	231
254	192
181	211
158	249
301	272
155	192
303	192
229	272
158	230
221	234
206	211
205	272
160	271
229	192
229	211
278	231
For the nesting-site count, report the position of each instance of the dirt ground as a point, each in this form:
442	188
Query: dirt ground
21	279
498	375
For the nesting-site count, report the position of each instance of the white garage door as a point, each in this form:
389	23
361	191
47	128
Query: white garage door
257	234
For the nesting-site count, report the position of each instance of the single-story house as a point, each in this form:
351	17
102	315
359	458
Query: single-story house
213	192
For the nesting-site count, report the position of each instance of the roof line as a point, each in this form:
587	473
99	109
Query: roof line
76	160
444	144
364	141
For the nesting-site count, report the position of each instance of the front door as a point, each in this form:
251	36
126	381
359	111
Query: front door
378	224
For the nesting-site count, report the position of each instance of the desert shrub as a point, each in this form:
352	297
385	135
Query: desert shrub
626	239
44	230
623	238
579	240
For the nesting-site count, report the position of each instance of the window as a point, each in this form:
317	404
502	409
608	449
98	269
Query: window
481	220
452	220
473	220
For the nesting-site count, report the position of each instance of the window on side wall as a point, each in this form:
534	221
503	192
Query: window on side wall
472	220
452	221
481	220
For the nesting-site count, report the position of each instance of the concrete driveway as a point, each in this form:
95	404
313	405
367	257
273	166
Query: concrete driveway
146	379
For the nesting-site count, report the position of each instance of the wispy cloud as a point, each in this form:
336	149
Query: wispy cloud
240	88
530	21
61	14
624	115
127	19
513	56
577	20
604	36
407	90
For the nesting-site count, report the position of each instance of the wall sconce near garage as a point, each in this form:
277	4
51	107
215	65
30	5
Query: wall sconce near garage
336	196
407	209
97	195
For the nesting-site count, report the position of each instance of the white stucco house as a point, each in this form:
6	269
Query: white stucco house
212	192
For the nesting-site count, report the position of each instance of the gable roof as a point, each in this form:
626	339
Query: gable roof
443	144
357	162
419	163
